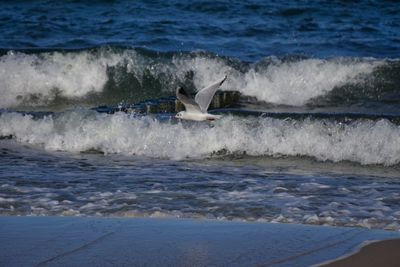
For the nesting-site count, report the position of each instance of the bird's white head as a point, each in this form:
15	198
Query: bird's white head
179	115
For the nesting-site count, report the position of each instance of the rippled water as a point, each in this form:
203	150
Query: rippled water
249	30
36	182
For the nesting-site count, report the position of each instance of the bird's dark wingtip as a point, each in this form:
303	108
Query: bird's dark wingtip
182	91
226	76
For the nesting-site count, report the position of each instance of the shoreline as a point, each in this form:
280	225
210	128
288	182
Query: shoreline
92	241
373	253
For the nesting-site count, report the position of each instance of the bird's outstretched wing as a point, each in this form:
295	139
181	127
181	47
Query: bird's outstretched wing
204	96
189	103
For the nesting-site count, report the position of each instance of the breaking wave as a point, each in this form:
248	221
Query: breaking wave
363	141
110	75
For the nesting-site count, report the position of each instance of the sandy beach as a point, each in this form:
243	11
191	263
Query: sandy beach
75	241
379	253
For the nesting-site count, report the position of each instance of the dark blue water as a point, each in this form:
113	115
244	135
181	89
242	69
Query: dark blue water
315	137
247	30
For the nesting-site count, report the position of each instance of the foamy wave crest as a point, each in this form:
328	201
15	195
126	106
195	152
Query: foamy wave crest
39	78
294	83
117	75
363	141
281	82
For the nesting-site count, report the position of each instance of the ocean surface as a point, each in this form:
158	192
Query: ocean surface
314	139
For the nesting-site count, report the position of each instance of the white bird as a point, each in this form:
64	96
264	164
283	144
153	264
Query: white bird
196	109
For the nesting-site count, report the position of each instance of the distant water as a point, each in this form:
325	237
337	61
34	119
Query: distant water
315	138
249	30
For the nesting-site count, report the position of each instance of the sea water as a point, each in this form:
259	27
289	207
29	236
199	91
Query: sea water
314	139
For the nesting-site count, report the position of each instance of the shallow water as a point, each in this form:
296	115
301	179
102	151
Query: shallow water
36	182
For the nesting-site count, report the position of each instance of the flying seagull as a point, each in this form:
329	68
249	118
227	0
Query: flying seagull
196	109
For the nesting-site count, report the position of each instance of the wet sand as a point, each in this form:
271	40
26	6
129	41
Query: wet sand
381	253
73	241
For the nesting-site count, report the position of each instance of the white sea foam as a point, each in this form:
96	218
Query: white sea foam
364	141
294	83
40	77
70	75
282	82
